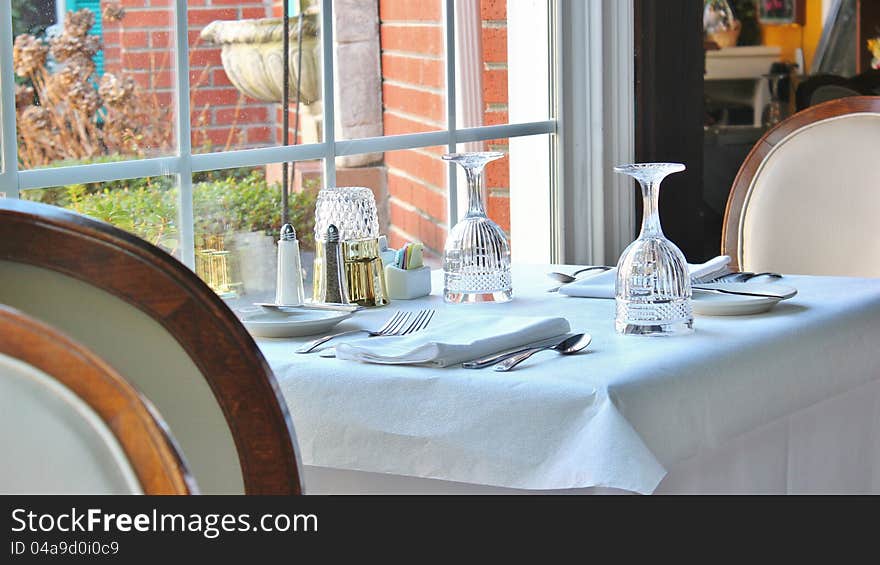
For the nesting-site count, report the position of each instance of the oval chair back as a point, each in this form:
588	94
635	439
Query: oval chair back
155	322
806	199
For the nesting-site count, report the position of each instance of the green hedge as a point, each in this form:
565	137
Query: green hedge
231	201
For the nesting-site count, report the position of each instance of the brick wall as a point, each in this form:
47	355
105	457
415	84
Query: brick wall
493	37
141	46
413	72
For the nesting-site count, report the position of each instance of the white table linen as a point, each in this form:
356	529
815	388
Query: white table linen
619	416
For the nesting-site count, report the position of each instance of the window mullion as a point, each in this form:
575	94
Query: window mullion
327	95
452	197
9	175
184	139
98	172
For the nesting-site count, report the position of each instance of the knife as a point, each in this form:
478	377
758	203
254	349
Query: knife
312	306
498	357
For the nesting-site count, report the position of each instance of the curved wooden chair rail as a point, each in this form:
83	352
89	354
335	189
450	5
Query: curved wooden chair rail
167	291
142	435
751	166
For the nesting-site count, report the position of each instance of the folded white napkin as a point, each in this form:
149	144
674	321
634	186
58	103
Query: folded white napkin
455	341
602	285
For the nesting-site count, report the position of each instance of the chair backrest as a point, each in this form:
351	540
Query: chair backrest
805	200
824	88
831	92
155	322
69	424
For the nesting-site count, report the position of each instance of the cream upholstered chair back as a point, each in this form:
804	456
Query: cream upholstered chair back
165	331
806	199
70	425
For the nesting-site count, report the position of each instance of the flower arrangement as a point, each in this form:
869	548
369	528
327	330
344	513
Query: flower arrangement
874	48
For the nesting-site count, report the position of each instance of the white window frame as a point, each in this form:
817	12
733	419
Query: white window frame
578	186
594	213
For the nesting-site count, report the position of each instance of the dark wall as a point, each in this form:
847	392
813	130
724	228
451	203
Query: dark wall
669	65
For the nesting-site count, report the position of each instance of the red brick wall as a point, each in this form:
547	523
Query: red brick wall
493	16
141	46
413	72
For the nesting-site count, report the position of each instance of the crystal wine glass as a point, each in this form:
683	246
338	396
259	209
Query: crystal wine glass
653	291
476	262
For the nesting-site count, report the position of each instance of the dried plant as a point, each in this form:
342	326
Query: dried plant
65	115
113	13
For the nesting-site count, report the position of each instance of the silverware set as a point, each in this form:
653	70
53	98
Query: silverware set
401	323
405	323
567	346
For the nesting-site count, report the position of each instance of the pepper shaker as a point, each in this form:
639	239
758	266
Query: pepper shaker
332	287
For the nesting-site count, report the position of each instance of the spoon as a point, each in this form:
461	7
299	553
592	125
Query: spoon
565	278
568	346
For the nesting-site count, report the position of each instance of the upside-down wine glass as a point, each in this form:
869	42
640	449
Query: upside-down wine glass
653	292
476	261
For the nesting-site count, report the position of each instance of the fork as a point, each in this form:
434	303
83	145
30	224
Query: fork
398	324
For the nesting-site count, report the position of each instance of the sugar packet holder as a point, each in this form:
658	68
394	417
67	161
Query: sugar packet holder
406	277
406	284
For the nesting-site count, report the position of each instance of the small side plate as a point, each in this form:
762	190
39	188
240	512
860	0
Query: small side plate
291	322
717	304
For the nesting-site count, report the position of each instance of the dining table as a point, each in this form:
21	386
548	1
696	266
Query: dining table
786	401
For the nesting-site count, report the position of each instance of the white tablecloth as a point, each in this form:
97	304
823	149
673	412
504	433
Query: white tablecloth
619	416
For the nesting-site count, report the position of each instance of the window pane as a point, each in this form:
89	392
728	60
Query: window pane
95	84
236	74
417	199
518	190
502	62
390	70
517	196
146	207
237	220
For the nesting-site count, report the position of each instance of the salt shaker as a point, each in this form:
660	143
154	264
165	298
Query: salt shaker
289	287
333	286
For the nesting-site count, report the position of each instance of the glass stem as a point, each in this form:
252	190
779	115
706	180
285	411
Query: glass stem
651	209
474	177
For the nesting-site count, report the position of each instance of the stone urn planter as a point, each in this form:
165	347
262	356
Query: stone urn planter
251	51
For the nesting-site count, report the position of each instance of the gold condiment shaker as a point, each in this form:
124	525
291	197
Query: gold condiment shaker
364	272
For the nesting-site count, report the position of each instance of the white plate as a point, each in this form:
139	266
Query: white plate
291	322
718	304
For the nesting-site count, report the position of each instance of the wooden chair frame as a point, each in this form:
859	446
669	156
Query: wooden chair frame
166	290
739	193
141	433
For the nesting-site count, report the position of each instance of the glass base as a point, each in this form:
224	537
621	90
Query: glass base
677	328
674	317
477	297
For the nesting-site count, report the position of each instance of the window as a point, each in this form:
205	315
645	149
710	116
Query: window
182	116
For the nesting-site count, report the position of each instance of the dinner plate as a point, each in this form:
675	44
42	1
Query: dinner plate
717	304
292	322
